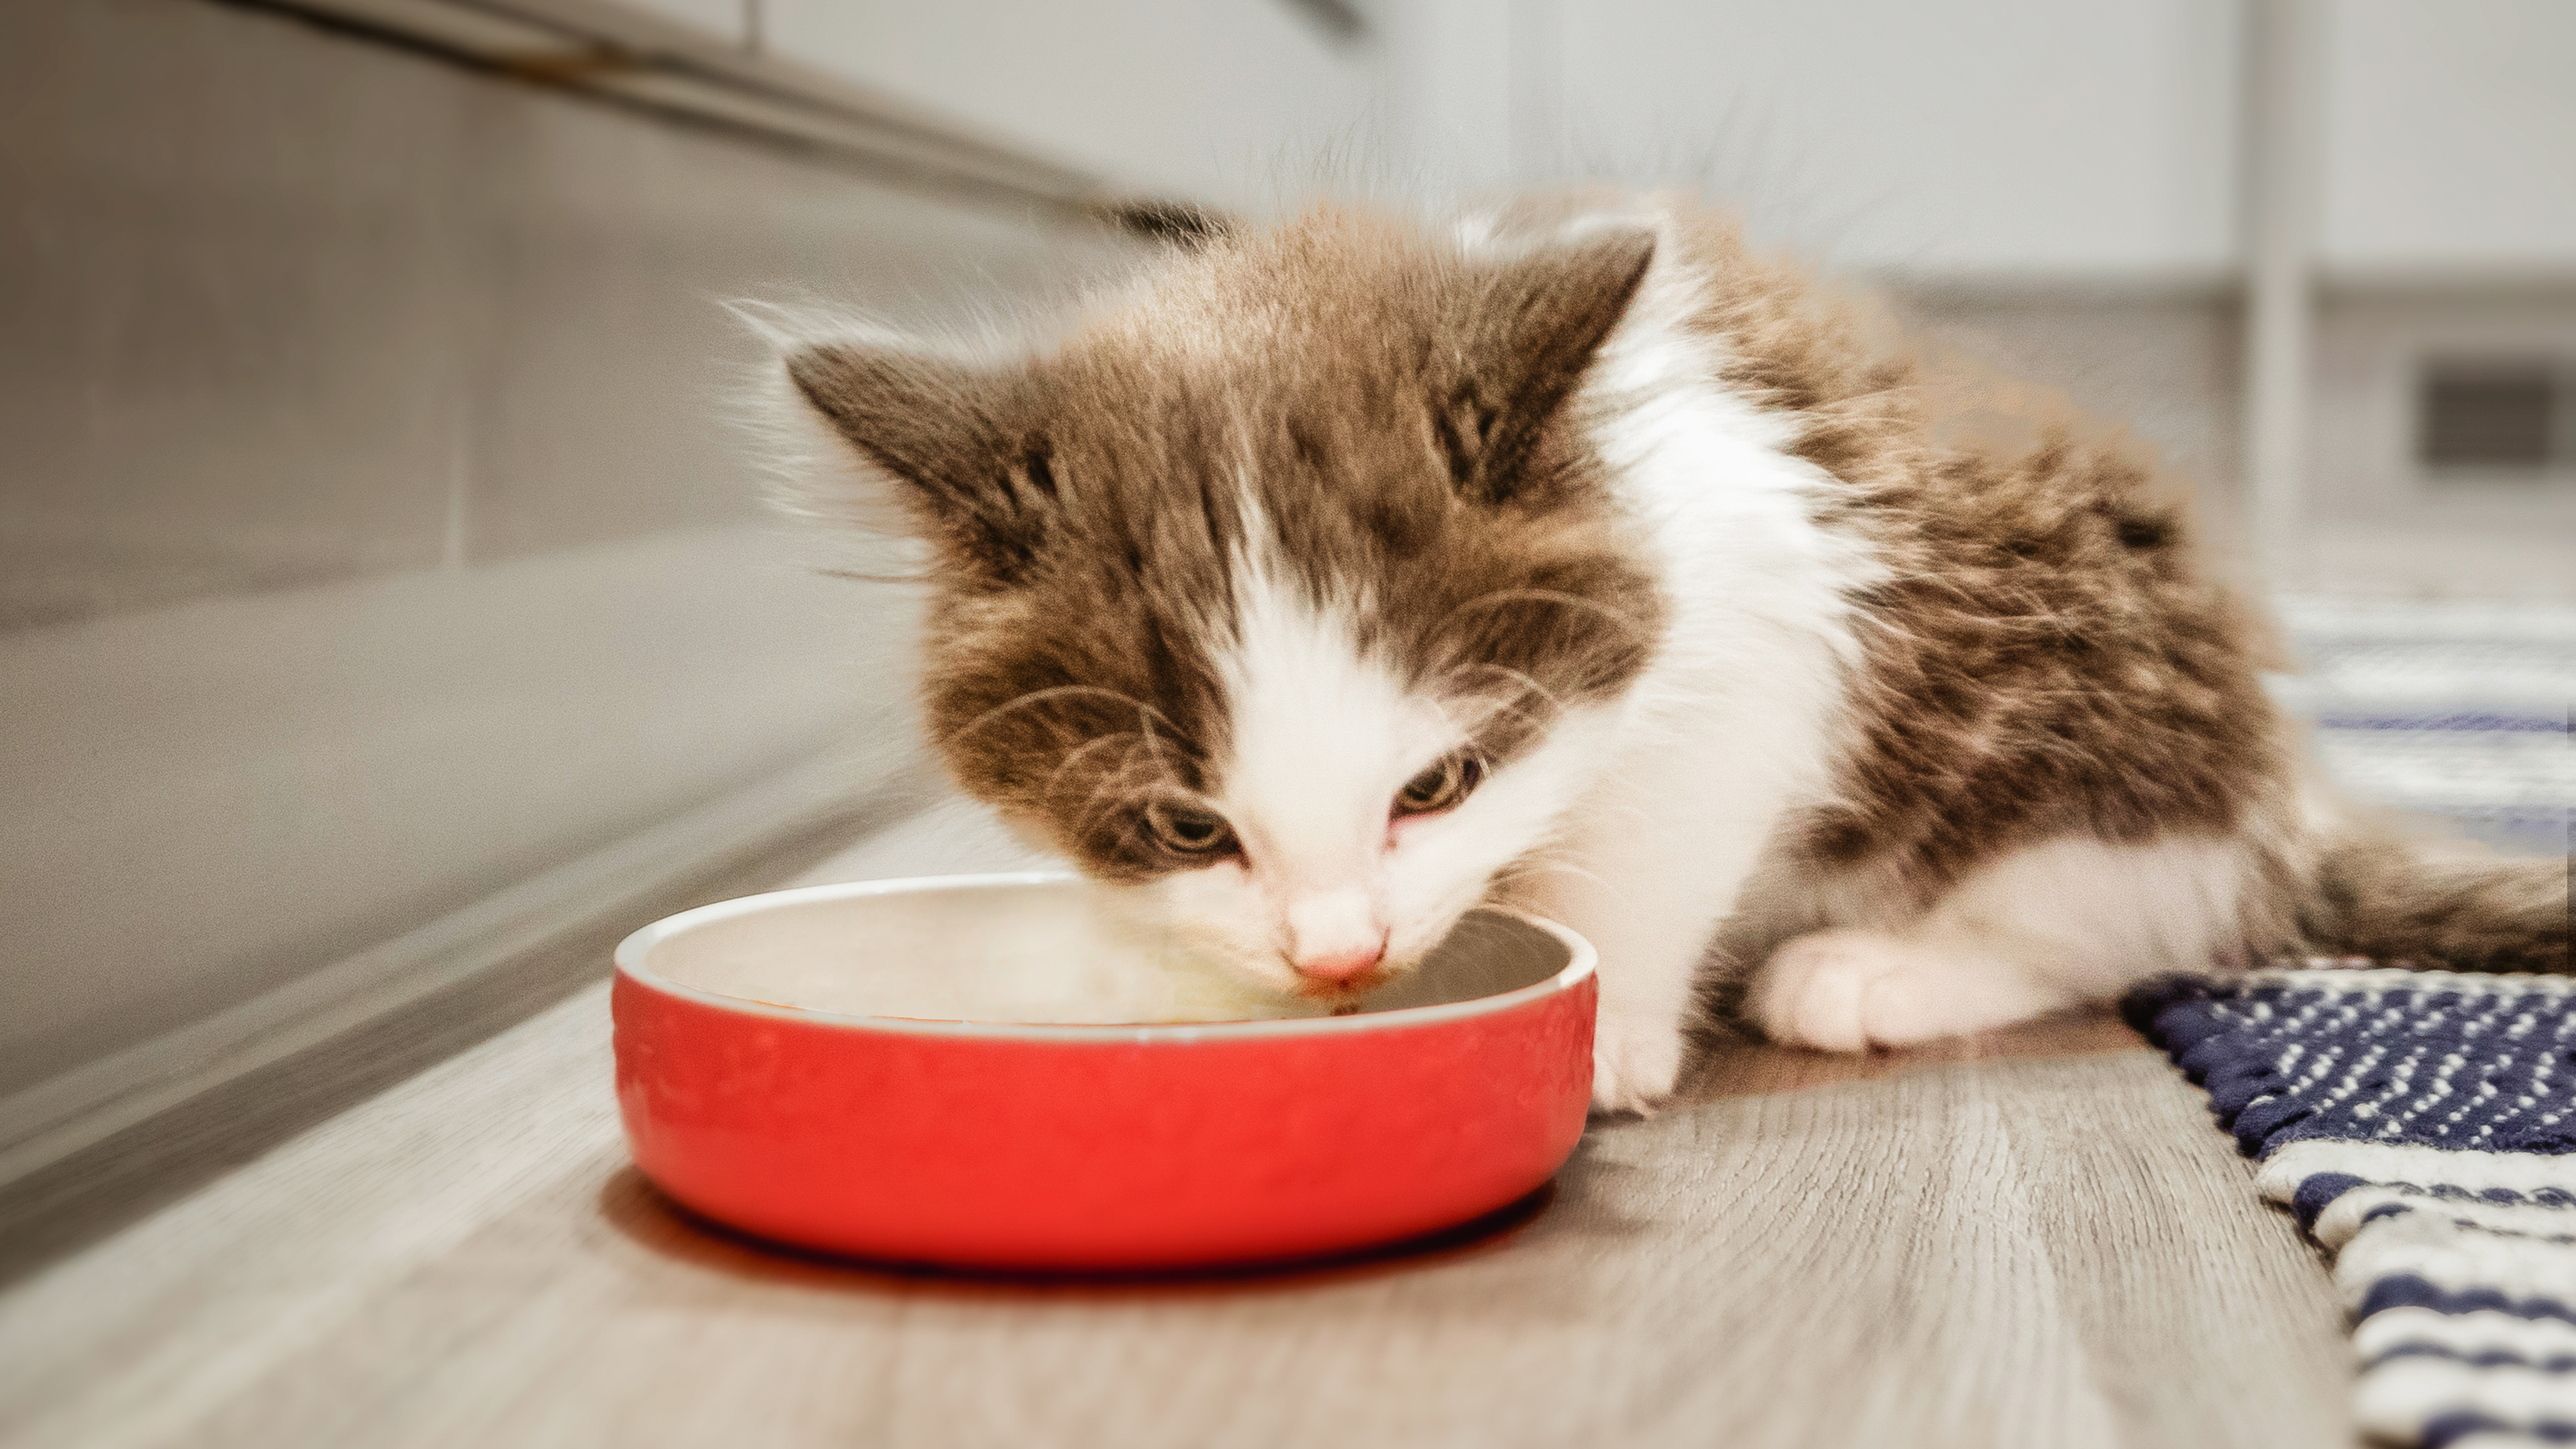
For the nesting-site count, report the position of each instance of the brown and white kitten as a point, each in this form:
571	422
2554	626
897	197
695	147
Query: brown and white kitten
1328	582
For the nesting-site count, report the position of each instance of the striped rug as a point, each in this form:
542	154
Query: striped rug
2422	1125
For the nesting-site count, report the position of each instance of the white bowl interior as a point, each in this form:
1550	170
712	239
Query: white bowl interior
1025	949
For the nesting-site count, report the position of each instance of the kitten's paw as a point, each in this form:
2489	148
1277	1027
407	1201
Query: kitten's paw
1848	991
1635	1064
1830	990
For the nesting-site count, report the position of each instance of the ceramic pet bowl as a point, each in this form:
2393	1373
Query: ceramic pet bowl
1027	1145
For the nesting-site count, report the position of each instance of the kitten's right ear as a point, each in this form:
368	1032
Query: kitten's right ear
950	441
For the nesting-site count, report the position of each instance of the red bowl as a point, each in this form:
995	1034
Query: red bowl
1063	1147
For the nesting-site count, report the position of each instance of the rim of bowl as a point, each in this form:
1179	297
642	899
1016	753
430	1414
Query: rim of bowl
632	952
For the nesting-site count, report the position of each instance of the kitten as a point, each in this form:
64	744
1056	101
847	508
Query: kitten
1331	581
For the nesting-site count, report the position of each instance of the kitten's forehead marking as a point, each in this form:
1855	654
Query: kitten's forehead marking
1321	729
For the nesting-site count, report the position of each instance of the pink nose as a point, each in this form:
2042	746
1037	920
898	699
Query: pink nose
1342	965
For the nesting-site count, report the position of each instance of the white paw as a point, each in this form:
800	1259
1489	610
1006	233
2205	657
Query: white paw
1635	1063
1831	990
1848	991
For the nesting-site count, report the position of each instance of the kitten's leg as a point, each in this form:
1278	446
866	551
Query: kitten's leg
1651	867
2048	927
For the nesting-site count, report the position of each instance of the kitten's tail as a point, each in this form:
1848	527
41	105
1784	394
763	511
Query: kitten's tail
2386	900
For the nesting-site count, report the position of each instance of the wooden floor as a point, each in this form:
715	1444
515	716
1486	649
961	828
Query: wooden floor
2037	1238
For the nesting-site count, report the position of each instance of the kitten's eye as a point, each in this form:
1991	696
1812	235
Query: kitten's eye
1441	785
1188	830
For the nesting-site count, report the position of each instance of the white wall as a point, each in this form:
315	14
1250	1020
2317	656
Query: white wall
2453	137
1211	100
1975	137
1450	93
2017	136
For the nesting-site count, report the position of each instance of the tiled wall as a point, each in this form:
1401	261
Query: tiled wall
372	531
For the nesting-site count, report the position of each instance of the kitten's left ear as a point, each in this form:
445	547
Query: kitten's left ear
1528	329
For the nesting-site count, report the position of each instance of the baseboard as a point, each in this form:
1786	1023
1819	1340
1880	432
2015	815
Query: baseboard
42	1124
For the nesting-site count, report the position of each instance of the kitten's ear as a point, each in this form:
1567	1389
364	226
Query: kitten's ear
947	440
1527	331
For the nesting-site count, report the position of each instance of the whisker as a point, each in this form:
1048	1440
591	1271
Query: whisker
1114	787
1527	684
1074	755
1039	696
1517	872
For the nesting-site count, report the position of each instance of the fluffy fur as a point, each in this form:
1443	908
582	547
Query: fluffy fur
1331	581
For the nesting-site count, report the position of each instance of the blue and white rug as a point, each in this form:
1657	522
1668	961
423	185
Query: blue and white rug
2422	1125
